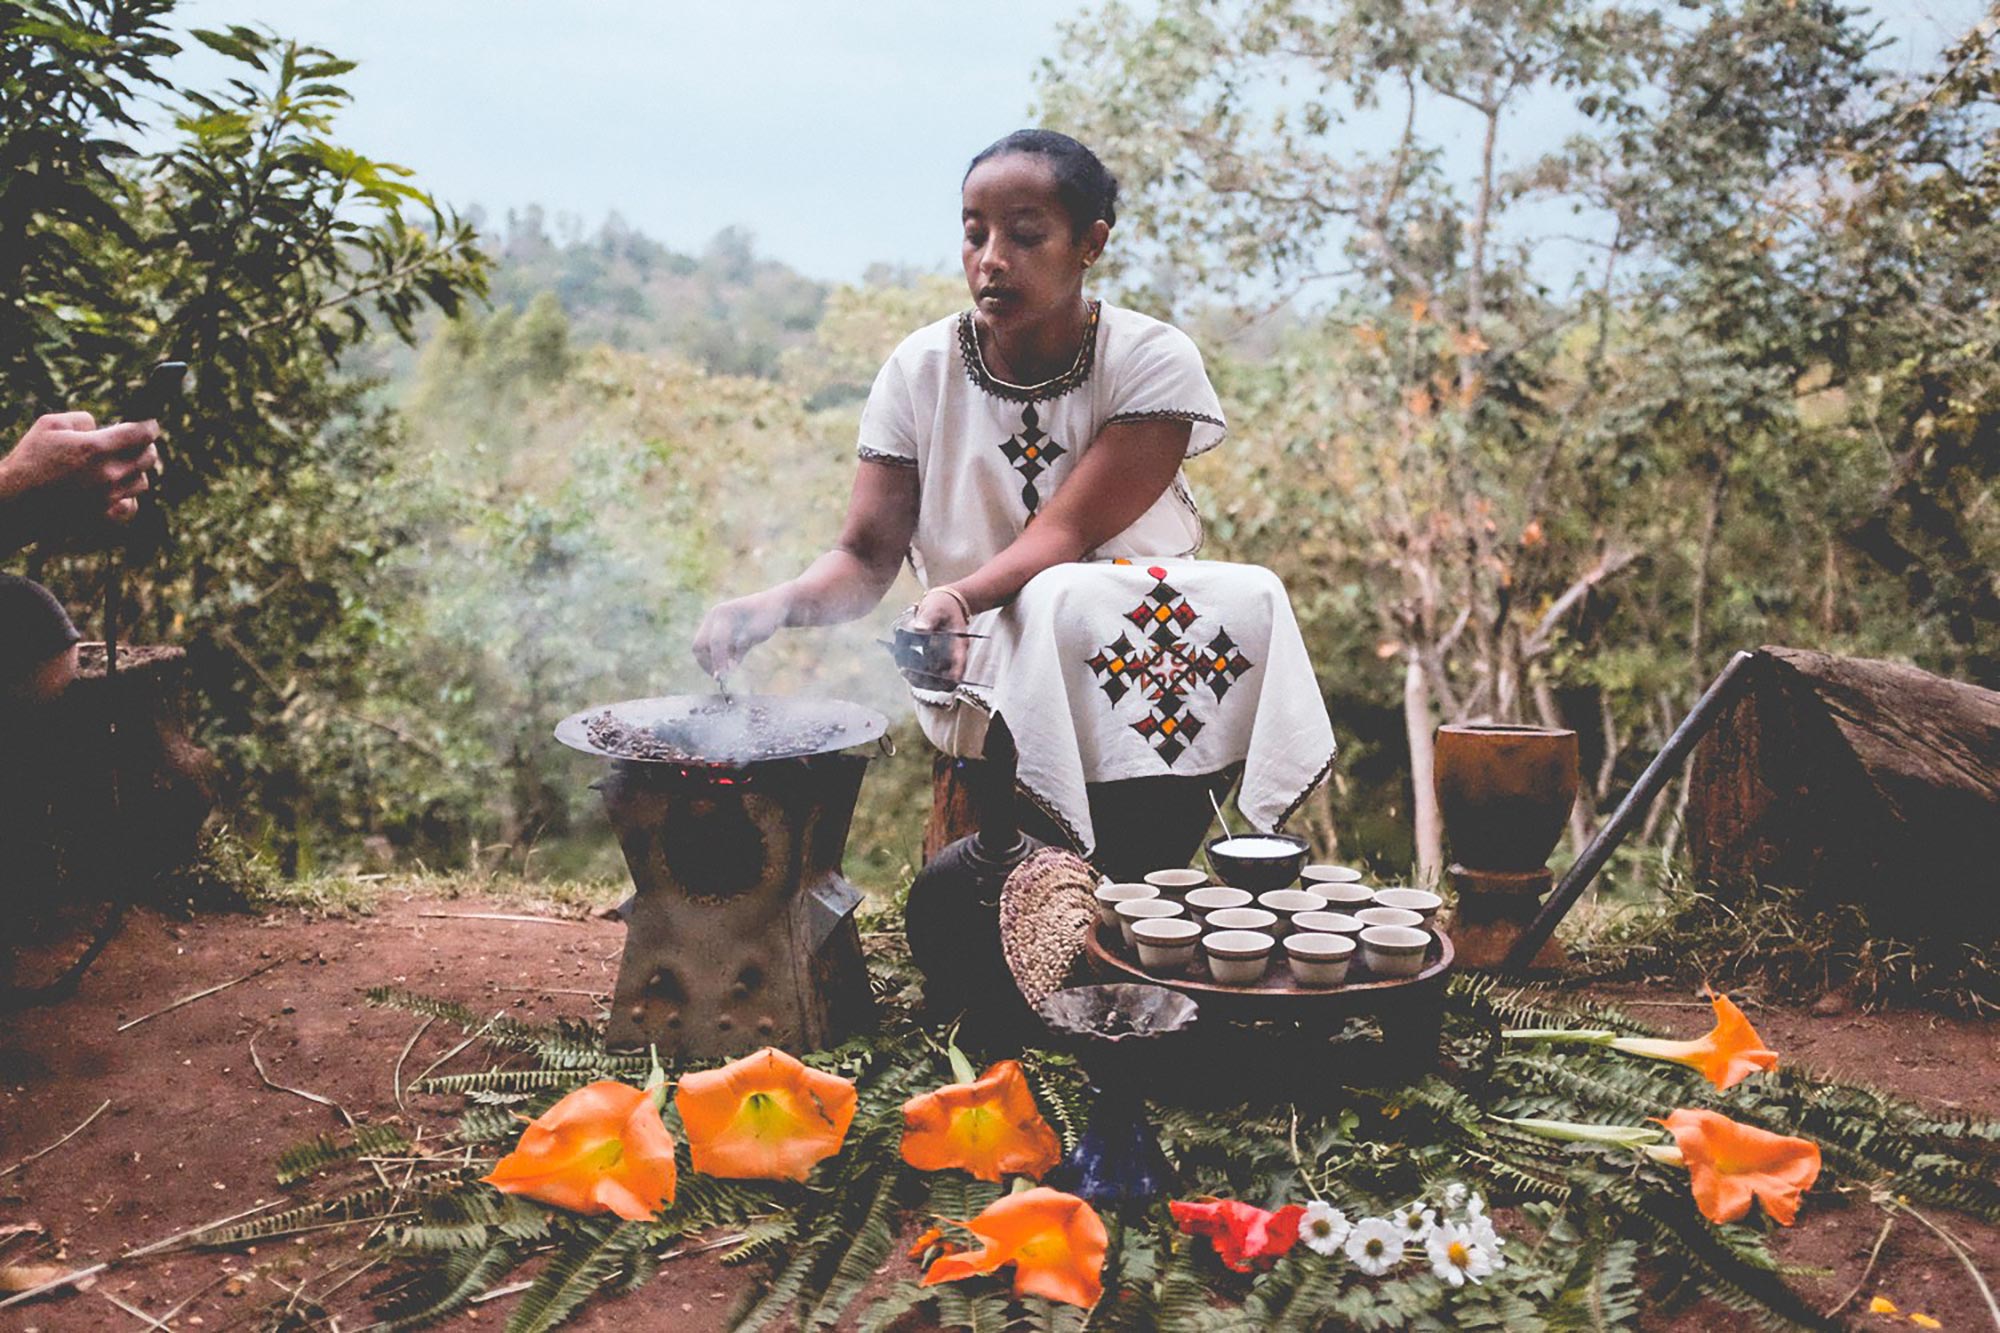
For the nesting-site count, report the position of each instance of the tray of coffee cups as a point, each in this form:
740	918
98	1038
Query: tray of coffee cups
1323	944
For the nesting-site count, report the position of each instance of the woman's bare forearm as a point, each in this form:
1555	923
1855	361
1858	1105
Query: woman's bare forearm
1000	580
839	586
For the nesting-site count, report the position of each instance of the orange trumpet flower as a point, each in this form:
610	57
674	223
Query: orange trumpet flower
600	1149
1055	1241
988	1126
1728	1054
764	1117
1730	1164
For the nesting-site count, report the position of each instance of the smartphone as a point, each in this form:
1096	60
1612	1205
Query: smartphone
162	386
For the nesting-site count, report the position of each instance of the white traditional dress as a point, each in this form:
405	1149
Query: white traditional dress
1148	663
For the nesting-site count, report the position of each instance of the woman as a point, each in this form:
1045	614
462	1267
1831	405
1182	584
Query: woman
1037	404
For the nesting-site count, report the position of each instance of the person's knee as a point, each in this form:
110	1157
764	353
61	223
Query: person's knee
38	655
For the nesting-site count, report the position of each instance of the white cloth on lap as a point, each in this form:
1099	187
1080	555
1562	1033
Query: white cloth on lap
1112	670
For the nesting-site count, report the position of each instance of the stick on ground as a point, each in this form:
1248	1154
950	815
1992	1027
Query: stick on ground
59	1142
501	916
200	994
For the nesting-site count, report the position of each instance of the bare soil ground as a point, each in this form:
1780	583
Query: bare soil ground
192	1128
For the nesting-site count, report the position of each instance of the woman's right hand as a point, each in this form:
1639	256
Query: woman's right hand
732	629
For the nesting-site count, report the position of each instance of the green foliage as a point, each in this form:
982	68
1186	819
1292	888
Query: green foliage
301	1162
1769	940
727	310
253	244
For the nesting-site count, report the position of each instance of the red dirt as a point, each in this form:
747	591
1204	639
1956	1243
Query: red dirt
192	1132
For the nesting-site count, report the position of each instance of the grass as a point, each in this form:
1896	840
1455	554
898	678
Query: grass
1791	950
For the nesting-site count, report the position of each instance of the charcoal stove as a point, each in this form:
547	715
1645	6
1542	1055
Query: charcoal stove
733	814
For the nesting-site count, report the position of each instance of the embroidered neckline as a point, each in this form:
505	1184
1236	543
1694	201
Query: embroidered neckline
1053	387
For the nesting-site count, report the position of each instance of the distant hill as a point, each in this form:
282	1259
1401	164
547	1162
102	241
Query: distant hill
727	309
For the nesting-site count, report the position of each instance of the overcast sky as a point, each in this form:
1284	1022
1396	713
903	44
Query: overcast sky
835	130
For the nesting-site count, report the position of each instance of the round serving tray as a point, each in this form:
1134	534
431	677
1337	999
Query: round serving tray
1277	996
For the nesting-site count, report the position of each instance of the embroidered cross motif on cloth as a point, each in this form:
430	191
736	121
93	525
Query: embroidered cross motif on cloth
1168	668
1032	452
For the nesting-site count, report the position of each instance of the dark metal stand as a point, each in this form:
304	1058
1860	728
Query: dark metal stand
1629	812
952	915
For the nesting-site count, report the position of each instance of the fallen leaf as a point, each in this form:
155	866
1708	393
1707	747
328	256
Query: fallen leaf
26	1277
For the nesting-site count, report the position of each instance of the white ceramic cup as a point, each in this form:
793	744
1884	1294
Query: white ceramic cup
1388	916
1242	918
1327	874
1237	957
1108	897
1344	897
1288	903
1176	883
1421	901
1394	951
1318	960
1216	898
1327	923
1139	909
1166	943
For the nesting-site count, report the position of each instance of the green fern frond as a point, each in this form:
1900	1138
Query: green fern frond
880	1315
446	1288
502	1080
372	1204
873	1239
305	1159
763	1237
585	1260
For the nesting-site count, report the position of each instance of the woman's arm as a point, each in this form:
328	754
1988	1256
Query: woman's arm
843	584
1126	468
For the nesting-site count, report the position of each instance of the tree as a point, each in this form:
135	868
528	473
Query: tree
261	250
1535	489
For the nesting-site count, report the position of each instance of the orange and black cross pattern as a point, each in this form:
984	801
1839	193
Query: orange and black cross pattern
1032	451
1160	658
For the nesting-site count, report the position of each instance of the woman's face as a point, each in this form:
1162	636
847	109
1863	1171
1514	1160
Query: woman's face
1023	262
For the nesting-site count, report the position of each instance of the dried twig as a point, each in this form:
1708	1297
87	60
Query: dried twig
1887	1223
59	1142
136	1313
483	1030
70	1279
200	994
1953	1244
396	1077
338	1109
593	994
502	916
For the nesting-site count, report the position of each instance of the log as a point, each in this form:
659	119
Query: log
1855	782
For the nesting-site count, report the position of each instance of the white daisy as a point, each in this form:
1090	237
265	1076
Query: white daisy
1475	1208
1415	1221
1456	1255
1375	1245
1323	1228
1480	1227
1454	1197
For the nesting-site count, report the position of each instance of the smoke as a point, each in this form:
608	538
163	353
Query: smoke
570	519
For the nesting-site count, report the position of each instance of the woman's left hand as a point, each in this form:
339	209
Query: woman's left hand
940	613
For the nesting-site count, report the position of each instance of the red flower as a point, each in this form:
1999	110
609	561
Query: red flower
1244	1237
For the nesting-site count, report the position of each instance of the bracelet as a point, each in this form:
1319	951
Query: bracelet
956	596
